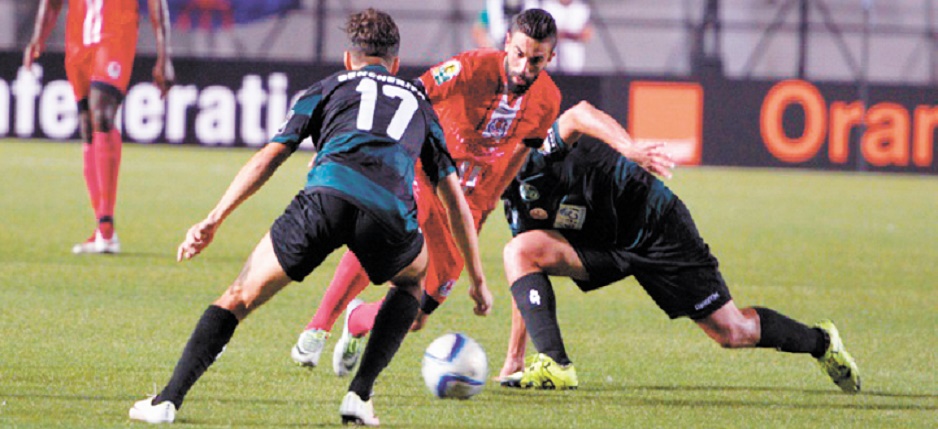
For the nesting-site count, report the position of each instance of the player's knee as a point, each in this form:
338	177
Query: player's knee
101	120
236	300
520	251
737	335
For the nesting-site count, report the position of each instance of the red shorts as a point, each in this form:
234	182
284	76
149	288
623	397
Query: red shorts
109	62
445	262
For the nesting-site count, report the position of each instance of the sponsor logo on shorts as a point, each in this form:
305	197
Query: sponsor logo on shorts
707	301
445	71
113	69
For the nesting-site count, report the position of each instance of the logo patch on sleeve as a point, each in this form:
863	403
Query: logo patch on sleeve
570	217
445	71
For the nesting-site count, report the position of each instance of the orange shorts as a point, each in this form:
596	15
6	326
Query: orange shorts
107	62
445	263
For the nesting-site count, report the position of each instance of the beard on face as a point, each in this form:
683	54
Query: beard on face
517	88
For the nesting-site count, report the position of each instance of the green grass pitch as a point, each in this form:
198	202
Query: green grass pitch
83	337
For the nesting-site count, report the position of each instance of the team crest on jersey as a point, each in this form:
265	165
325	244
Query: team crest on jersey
500	122
113	69
445	71
529	193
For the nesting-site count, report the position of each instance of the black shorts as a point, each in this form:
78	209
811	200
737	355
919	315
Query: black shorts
317	223
677	269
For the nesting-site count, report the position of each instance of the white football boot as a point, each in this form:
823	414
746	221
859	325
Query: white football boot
348	349
308	347
145	411
98	245
356	411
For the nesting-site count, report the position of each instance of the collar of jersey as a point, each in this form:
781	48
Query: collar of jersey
376	68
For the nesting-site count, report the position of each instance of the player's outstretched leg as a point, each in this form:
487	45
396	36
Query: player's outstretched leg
211	334
349	348
837	362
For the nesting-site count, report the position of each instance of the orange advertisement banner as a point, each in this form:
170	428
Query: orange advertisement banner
671	112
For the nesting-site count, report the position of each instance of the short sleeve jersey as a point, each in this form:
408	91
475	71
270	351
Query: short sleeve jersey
91	21
483	123
589	192
369	128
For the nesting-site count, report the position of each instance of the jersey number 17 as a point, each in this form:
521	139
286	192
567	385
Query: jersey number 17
402	116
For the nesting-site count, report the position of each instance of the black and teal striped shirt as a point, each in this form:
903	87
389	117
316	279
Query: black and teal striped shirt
369	128
589	192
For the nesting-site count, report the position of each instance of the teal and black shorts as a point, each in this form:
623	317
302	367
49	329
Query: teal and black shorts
676	269
316	223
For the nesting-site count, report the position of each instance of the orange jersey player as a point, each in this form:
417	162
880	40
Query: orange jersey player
489	103
100	44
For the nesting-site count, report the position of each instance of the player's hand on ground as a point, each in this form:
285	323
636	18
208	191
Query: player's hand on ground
511	366
197	238
651	156
420	321
483	298
164	75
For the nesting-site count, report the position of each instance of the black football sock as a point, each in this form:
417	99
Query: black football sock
207	341
782	333
391	325
535	299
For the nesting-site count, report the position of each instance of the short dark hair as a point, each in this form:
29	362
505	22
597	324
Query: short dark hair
373	33
536	24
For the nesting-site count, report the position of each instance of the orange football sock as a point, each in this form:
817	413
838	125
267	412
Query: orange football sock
90	172
362	319
108	158
349	281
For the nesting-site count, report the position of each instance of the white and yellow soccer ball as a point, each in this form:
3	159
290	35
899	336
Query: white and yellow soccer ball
455	367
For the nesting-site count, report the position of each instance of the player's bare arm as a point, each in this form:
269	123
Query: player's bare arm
586	119
251	178
45	21
463	227
163	73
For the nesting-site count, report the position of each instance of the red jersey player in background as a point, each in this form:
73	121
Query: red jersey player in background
100	44
490	103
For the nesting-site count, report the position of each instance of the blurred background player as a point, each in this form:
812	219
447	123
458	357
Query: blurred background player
574	31
591	214
489	103
369	129
100	44
493	21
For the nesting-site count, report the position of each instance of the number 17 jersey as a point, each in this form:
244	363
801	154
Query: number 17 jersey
369	128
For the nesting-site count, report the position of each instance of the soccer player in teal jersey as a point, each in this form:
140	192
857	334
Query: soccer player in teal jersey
590	213
369	128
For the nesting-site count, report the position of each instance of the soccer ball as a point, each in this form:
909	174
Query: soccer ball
455	366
